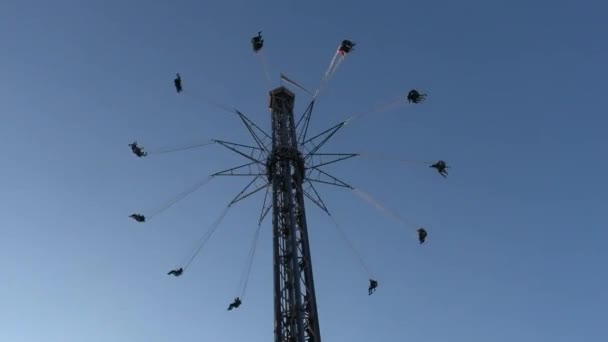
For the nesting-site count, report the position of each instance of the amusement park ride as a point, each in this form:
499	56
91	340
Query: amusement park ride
283	161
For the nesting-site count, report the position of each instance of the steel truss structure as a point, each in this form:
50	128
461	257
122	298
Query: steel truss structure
287	165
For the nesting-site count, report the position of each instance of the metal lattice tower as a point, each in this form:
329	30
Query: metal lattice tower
285	166
287	163
295	308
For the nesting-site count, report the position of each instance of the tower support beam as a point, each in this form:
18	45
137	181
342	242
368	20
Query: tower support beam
296	317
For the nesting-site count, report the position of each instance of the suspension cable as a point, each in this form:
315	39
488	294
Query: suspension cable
208	101
179	197
352	247
385	107
181	147
336	60
382	209
203	240
265	68
392	158
244	281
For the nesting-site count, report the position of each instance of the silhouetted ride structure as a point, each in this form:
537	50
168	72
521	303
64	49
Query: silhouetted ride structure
286	163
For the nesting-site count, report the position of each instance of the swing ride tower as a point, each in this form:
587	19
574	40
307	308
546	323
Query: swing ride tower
295	308
290	161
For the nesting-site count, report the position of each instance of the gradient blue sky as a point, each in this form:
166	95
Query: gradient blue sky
517	232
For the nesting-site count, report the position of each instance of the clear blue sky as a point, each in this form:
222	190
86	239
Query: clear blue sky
516	248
